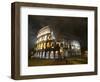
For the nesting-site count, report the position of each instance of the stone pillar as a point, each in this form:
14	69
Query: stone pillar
54	53
47	55
43	54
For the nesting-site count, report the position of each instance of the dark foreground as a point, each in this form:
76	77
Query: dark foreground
65	61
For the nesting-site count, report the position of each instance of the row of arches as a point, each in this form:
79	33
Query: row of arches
47	46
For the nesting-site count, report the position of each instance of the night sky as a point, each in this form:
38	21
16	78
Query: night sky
71	27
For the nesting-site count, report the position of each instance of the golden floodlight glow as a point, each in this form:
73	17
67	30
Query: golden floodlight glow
49	46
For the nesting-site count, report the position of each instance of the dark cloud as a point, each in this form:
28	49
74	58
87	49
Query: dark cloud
73	27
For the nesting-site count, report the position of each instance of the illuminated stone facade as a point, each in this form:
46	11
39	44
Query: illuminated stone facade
48	47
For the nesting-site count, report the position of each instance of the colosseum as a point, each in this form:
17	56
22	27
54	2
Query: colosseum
52	45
